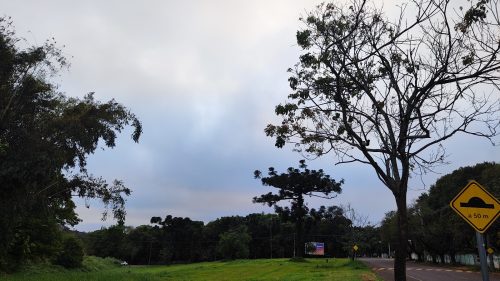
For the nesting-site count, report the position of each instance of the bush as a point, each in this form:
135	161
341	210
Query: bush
71	255
92	263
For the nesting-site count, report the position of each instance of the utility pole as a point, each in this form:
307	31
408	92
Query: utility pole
271	240
294	245
380	246
150	246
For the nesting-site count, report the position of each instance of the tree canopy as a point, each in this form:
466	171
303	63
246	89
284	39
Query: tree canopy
45	138
388	93
294	185
435	229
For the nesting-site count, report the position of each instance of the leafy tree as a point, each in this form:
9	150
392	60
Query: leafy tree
213	230
71	255
142	245
45	138
180	239
107	242
233	244
435	229
331	226
388	93
294	185
264	230
443	232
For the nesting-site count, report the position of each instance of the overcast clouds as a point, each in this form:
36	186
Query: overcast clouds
203	77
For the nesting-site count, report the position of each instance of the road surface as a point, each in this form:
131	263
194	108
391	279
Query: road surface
420	272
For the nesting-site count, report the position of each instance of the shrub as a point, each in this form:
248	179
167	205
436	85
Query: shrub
71	255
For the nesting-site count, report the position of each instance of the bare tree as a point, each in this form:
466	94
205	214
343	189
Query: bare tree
389	93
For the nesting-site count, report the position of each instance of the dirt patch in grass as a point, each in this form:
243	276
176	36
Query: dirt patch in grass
368	277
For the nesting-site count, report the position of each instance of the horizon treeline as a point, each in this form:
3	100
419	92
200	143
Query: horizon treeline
176	239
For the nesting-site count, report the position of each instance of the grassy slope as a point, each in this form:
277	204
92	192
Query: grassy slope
249	270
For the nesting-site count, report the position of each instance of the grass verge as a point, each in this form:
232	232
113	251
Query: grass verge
247	270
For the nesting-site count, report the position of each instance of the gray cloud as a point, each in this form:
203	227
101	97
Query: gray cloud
204	77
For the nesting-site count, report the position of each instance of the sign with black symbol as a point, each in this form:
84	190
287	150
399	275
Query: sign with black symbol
476	206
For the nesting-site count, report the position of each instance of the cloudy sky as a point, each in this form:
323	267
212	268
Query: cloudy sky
204	78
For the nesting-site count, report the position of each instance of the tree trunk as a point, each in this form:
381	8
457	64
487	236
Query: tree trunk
491	263
420	257
401	248
453	259
442	258
299	245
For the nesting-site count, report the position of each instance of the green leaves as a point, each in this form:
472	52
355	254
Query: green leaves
309	60
294	185
474	14
469	58
287	109
293	82
44	135
303	39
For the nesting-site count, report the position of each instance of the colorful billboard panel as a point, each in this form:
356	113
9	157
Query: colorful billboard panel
315	248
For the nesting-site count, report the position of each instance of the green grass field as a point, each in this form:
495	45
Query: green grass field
249	270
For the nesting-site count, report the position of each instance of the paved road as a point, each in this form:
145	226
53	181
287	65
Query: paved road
419	272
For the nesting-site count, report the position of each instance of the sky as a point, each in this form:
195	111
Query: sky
203	77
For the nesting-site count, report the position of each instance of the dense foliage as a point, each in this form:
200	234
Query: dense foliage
293	186
175	239
435	229
389	92
45	138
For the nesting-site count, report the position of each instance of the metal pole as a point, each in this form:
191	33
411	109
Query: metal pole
294	245
482	256
150	246
271	241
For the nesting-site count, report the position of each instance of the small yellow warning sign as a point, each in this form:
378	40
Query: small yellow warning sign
355	248
476	206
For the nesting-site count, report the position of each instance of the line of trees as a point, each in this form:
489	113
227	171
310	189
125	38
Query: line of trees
435	229
175	239
293	186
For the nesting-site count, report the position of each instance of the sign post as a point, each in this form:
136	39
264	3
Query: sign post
480	209
355	249
482	256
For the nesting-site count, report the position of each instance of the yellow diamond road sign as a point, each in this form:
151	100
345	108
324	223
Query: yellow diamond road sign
355	247
476	206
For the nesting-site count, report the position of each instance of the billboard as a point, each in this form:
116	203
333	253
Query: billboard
315	248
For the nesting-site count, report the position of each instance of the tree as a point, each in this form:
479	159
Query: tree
390	93
444	232
71	255
45	138
180	239
107	242
233	244
294	185
330	225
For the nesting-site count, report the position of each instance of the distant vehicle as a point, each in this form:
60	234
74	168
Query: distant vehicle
124	263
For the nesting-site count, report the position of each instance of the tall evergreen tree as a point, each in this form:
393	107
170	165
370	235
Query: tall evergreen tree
294	185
